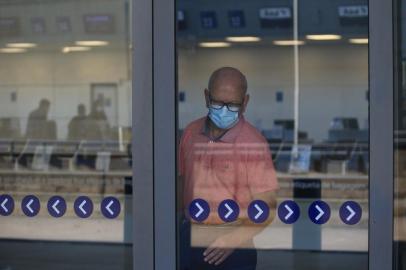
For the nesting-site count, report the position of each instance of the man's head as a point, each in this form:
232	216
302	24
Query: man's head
226	97
81	110
44	105
228	85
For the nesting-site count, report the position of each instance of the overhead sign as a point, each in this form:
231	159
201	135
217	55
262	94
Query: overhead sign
236	18
99	24
280	13
353	15
208	19
275	17
353	11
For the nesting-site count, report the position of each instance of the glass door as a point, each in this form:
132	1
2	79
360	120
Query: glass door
65	134
273	134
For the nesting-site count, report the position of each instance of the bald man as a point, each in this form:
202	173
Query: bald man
222	156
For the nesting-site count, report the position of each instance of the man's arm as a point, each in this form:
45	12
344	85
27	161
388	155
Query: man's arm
223	246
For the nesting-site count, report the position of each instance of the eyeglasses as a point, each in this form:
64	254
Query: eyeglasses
218	105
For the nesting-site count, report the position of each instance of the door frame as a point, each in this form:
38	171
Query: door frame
381	175
155	134
142	130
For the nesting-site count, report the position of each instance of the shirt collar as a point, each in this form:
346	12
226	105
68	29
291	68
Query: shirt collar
229	136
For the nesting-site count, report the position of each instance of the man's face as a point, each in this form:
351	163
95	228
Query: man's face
227	92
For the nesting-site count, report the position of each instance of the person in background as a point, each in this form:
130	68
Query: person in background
38	126
99	128
77	128
222	156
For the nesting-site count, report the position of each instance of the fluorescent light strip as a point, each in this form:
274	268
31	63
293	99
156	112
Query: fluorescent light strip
92	43
359	40
243	39
21	45
288	42
324	37
214	44
75	49
12	50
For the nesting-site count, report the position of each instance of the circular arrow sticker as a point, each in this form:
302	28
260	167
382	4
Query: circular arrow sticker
319	212
289	212
350	212
30	205
83	207
56	206
199	210
110	207
228	210
258	211
6	205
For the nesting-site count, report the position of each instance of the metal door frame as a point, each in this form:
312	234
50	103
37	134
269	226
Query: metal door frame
155	129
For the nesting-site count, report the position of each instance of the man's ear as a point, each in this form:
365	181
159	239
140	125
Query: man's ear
206	96
245	102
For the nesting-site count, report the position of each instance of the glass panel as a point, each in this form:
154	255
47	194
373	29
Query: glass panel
65	134
273	134
400	142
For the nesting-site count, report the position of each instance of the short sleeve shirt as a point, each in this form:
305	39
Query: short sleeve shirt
236	166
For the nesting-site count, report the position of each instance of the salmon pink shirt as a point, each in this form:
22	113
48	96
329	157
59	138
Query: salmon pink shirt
235	166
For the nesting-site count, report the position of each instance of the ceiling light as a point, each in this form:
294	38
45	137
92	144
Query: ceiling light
359	40
323	37
214	44
22	45
288	42
75	49
243	39
92	43
12	50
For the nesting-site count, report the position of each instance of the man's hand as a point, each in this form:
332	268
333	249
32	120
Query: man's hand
225	245
219	250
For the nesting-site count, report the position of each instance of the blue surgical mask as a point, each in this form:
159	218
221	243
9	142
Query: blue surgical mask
223	118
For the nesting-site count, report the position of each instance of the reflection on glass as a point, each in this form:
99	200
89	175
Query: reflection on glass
273	116
65	132
399	146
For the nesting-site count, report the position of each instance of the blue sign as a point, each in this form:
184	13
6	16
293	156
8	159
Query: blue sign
181	19
350	212
236	19
319	212
276	17
208	19
6	205
199	210
83	207
228	210
30	205
289	212
110	207
353	15
258	211
56	206
279	96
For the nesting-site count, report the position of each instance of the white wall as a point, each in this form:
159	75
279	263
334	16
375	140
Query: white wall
65	80
333	82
